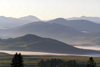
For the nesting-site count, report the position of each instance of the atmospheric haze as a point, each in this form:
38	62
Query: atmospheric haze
49	9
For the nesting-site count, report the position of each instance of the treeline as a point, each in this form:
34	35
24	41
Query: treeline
58	63
61	63
17	61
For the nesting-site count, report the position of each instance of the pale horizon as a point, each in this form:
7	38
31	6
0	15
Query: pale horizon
50	18
49	9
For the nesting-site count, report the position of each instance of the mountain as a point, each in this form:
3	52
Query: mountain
9	22
31	42
48	30
93	19
30	18
55	31
58	29
80	25
91	30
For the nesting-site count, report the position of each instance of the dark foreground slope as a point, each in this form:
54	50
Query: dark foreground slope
35	43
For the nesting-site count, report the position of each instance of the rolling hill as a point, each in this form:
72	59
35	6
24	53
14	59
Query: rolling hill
80	25
48	30
58	29
31	42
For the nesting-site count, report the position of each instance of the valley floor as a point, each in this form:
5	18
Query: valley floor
32	60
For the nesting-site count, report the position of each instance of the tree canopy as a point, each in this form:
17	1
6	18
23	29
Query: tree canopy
91	62
17	61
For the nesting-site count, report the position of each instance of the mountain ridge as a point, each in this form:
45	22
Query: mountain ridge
9	22
58	30
48	30
30	18
93	19
80	25
38	44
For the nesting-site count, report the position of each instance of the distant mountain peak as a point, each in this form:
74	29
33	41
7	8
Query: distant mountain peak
89	18
10	22
2	16
30	35
83	16
60	19
30	18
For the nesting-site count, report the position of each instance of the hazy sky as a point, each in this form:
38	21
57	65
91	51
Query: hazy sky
49	9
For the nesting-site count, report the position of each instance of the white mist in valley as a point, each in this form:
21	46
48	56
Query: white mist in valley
96	47
46	53
30	52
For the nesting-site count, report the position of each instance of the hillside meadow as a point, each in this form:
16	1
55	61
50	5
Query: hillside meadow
32	60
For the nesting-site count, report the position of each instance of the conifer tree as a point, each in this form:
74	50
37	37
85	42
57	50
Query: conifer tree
41	63
17	61
91	62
